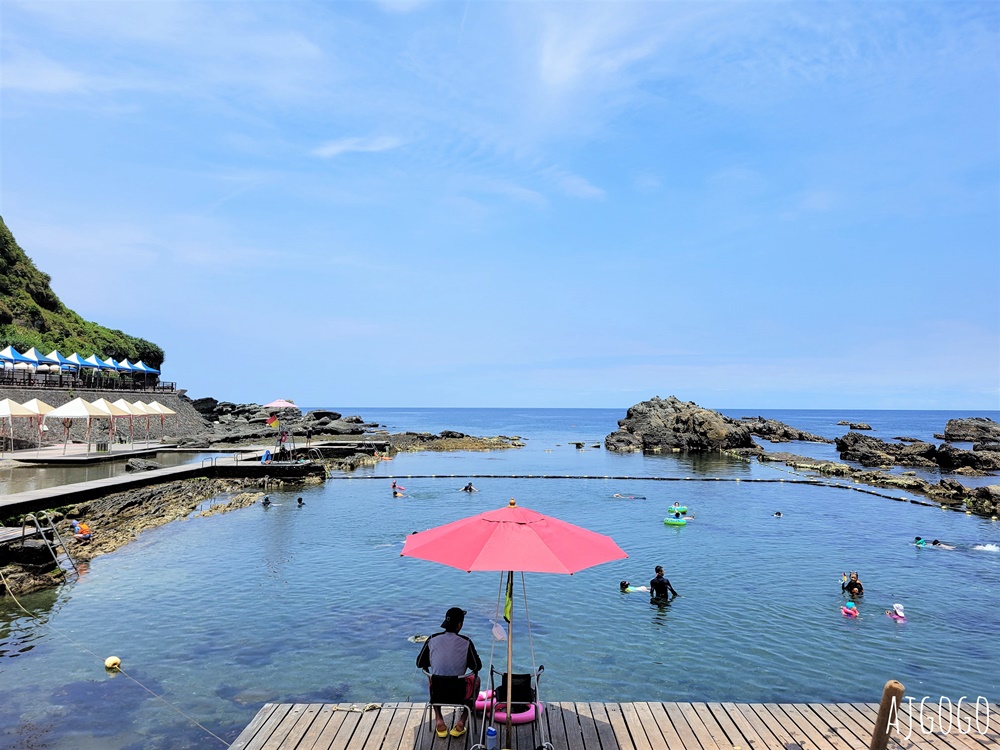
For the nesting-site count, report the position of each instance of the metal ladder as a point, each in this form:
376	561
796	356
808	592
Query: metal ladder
42	523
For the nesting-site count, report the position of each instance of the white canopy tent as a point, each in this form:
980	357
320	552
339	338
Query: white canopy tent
164	411
133	411
76	409
147	412
8	411
39	408
112	412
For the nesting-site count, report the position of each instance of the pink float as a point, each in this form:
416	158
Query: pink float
531	712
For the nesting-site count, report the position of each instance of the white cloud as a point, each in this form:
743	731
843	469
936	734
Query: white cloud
573	185
34	72
371	144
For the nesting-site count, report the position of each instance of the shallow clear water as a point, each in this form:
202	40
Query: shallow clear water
222	614
25	477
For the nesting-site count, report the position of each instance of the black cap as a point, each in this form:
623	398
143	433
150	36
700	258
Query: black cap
453	618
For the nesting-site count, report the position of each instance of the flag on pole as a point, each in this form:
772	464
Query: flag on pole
272	421
509	604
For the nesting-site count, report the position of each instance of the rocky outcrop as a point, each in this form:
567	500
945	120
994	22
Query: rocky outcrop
950	458
670	424
972	430
779	432
142	464
871	451
985	501
229	423
449	440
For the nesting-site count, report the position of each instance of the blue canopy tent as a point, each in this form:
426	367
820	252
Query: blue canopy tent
65	363
40	361
83	364
146	371
146	368
11	358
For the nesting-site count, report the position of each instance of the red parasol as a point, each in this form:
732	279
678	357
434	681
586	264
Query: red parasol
510	539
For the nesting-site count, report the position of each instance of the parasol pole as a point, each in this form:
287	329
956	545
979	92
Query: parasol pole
510	657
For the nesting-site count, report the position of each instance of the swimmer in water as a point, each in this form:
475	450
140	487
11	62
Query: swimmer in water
397	493
896	613
266	501
941	545
301	502
918	542
851	585
468	488
629	497
777	514
628	588
849	610
397	486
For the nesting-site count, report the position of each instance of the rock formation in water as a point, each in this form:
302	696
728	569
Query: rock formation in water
871	451
671	424
779	432
971	430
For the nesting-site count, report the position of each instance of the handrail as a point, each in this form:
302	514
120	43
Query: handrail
55	532
210	458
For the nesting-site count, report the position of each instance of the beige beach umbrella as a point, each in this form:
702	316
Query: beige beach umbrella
163	411
39	408
144	409
75	409
132	413
112	412
8	410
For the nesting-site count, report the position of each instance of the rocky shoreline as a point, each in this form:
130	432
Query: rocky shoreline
119	518
659	425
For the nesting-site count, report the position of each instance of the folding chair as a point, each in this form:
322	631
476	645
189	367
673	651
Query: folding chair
459	693
525	706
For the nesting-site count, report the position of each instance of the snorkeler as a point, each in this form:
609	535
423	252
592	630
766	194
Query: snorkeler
777	514
851	585
628	588
629	497
942	545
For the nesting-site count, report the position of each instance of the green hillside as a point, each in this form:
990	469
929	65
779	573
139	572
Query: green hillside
32	315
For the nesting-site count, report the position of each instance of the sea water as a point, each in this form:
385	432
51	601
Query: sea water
219	615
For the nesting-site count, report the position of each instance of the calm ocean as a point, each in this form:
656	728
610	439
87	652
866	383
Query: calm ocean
314	604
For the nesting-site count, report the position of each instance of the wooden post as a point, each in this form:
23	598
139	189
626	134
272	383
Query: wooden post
892	694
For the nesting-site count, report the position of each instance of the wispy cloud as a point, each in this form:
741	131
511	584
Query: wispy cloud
33	72
371	144
573	185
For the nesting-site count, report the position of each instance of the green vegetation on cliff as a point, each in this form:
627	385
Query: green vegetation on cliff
32	315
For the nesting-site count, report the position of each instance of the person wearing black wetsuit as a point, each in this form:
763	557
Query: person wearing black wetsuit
853	586
659	587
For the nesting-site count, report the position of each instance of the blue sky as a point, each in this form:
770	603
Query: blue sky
521	204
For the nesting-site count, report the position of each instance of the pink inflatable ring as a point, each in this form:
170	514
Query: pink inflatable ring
485	701
528	715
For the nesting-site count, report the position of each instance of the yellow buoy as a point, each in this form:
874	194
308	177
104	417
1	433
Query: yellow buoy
112	663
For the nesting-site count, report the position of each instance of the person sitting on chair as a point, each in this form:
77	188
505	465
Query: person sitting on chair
452	655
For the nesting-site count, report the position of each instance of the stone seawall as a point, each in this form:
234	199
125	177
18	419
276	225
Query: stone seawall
186	422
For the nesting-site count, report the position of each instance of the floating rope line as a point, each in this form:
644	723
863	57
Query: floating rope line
116	669
755	480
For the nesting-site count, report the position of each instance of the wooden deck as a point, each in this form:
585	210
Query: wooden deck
612	726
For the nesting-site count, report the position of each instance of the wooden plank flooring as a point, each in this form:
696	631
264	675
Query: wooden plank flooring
607	726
